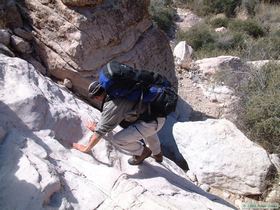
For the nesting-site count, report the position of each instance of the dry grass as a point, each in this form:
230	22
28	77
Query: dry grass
269	15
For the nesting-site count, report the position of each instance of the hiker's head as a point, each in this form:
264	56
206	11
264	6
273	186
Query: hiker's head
95	90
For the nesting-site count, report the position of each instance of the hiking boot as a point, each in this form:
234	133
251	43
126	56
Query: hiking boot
136	160
158	157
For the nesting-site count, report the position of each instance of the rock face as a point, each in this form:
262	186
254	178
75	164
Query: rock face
40	171
221	156
74	42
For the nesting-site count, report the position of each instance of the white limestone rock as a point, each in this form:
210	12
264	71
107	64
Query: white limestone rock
221	30
75	42
67	83
205	187
20	180
275	159
217	93
260	63
183	54
222	157
40	171
209	66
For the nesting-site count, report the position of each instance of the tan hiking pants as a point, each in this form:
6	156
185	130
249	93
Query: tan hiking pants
129	138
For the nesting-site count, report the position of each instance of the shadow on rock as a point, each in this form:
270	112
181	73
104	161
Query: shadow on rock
16	193
150	171
167	140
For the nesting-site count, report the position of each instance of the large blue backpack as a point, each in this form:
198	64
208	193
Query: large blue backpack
120	80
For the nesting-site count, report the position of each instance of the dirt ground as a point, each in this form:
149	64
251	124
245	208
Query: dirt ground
190	90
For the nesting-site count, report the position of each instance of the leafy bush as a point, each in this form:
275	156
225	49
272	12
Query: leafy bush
268	15
230	41
207	7
251	27
219	22
223	6
261	106
162	14
252	39
249	6
198	37
263	48
208	43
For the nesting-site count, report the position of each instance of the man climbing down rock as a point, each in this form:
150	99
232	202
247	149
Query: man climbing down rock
114	112
138	118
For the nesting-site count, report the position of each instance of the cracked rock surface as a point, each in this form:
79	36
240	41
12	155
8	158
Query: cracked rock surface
40	120
75	41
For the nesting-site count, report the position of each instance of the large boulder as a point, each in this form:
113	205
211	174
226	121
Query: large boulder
222	157
183	54
209	66
74	42
40	171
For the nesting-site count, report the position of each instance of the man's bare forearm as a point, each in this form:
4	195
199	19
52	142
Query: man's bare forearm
94	139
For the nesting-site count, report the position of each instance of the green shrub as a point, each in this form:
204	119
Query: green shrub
223	6
162	14
219	22
261	102
198	37
259	106
230	41
251	27
207	7
208	43
249	6
263	48
268	15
